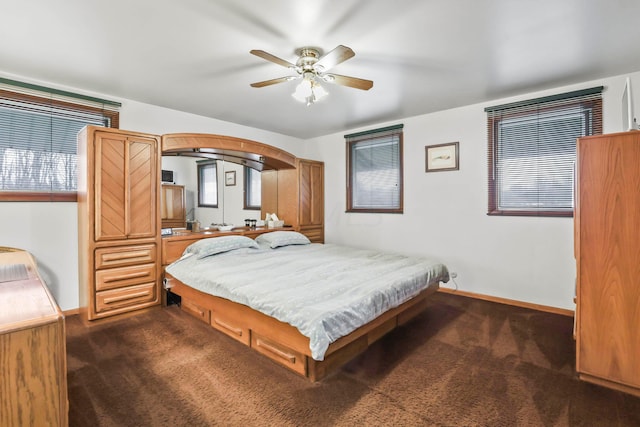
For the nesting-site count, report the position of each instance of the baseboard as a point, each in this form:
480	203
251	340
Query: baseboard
71	312
499	300
516	303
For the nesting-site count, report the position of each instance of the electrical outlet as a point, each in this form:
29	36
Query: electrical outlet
453	274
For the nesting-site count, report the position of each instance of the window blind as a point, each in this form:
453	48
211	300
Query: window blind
252	188
38	131
207	183
375	165
532	151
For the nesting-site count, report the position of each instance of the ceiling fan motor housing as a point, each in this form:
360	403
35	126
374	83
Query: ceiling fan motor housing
308	57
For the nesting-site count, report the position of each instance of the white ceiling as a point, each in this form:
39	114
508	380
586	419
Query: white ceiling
423	55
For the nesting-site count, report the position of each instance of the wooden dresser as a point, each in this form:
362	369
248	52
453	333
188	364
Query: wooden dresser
119	221
607	249
33	363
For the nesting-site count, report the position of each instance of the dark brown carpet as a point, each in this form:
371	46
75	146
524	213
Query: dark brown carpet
463	362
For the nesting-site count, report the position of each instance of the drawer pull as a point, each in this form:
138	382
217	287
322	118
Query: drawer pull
125	297
126	255
126	277
230	328
287	356
196	309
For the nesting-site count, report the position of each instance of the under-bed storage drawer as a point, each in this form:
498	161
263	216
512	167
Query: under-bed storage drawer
124	276
196	310
279	353
131	297
230	327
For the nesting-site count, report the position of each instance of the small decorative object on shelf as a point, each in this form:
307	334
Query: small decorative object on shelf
272	221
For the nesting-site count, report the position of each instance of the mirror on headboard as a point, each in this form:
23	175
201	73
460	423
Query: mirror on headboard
181	152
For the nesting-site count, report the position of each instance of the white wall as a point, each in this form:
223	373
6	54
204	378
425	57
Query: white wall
50	230
522	258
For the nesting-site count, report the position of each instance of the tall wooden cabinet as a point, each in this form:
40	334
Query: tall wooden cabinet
119	221
172	206
297	197
607	249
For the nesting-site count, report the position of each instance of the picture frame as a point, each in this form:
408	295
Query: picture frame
442	157
230	178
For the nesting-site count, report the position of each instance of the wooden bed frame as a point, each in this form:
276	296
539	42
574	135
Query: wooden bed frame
277	340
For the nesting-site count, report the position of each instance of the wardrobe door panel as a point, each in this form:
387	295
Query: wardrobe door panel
142	183
110	187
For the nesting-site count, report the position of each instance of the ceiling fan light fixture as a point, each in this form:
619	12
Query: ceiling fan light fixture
309	91
318	91
303	91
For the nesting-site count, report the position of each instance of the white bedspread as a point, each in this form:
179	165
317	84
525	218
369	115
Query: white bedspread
326	291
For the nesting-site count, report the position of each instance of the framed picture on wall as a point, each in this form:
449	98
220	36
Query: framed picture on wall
230	178
442	157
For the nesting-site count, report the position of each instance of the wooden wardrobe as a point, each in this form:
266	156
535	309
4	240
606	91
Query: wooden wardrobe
119	221
297	197
607	249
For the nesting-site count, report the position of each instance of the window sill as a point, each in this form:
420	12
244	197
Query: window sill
381	211
565	214
33	196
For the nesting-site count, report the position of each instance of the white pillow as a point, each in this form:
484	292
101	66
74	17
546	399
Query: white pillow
215	245
276	239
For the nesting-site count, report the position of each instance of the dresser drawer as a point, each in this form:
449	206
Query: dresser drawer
125	255
230	327
130	297
279	353
125	276
196	310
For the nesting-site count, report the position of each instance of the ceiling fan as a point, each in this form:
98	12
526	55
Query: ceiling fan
312	69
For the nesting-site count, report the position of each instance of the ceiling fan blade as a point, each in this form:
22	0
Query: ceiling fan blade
273	81
349	81
269	57
335	57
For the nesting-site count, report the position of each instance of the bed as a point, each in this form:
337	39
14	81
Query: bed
308	306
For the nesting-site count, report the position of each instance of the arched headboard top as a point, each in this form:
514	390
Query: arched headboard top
237	150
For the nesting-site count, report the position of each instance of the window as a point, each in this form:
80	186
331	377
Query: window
252	188
207	184
532	151
38	145
374	170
